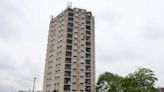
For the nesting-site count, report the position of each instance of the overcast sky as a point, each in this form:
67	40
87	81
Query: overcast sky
129	33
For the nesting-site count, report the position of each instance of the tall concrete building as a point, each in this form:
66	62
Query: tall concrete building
70	58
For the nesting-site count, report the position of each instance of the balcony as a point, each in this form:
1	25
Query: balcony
88	81
88	44
67	67
69	47
70	25
88	33
88	38
70	14
68	60
67	88
88	55
69	36
88	68
88	75
70	30
68	53
68	74
69	41
88	22
70	20
88	27
88	16
67	81
88	88
88	49
88	62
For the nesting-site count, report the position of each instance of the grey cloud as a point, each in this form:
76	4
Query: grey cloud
6	61
10	14
152	28
153	32
20	74
5	88
108	16
117	54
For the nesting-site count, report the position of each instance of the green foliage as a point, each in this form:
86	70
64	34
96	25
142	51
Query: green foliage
109	81
142	80
54	90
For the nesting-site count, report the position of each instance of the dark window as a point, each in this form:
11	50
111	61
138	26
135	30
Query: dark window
88	27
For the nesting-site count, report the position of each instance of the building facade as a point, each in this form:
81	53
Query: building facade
161	89
70	57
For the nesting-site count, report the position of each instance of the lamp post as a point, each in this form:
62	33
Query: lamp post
34	84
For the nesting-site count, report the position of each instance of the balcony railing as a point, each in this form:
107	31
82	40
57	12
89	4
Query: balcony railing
68	60
88	75
88	81
68	53
88	49
67	88
88	27
88	55
88	68
69	47
69	41
67	73
70	24
70	20
88	38
88	88
69	36
88	44
70	30
88	22
88	33
67	81
88	62
70	14
68	67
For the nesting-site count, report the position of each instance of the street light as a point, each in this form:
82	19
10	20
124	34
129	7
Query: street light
34	84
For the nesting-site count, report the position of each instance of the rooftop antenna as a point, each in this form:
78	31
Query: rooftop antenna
69	4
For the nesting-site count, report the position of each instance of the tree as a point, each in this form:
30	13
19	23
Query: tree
109	82
142	80
54	90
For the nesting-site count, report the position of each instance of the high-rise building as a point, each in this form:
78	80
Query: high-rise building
161	89
70	58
